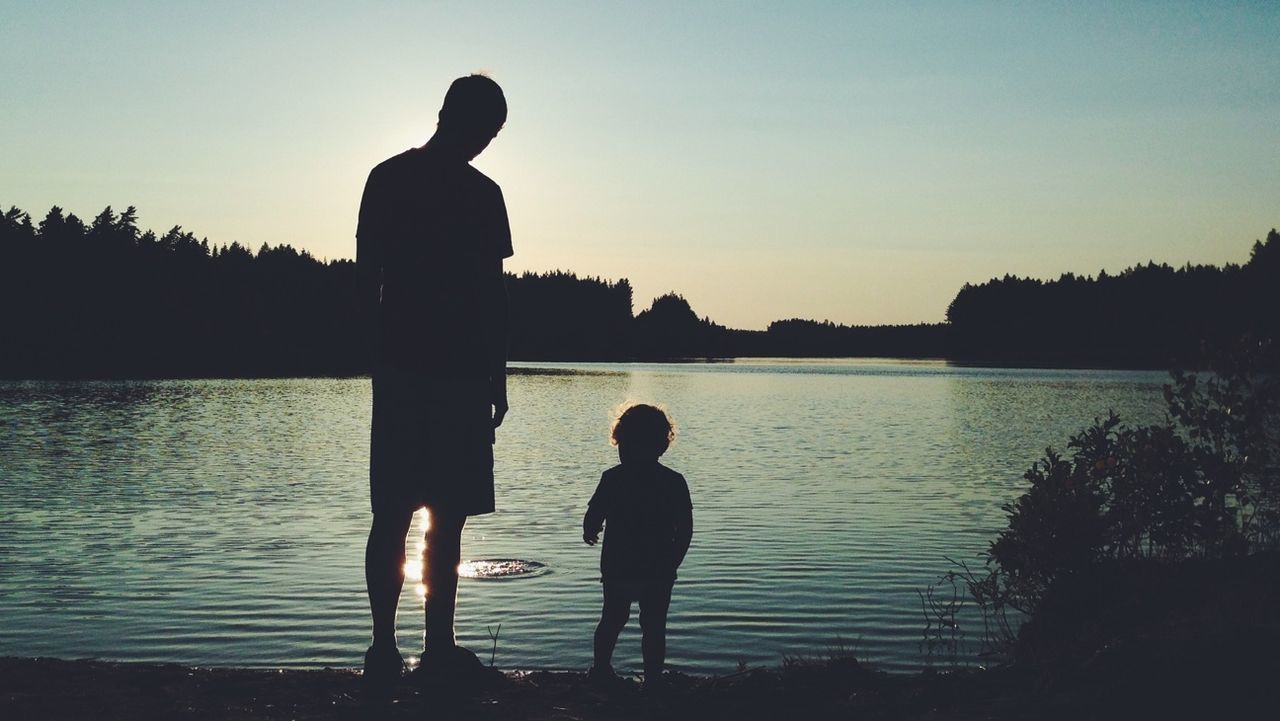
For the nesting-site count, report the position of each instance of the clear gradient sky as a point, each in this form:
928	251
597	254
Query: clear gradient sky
849	161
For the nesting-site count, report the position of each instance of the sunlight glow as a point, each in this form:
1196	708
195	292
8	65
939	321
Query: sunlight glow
413	570
825	205
414	565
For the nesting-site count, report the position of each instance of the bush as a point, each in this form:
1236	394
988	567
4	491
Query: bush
1201	484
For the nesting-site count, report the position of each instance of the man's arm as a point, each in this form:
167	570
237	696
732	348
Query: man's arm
499	334
370	236
499	322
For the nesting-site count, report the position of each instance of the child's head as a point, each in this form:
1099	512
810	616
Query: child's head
642	433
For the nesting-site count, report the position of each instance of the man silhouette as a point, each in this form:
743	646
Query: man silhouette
430	242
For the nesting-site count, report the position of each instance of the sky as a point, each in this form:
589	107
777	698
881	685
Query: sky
845	161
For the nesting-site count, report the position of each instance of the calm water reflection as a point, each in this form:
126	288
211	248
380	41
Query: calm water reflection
222	522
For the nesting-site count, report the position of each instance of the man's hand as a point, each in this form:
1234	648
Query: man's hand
590	537
498	399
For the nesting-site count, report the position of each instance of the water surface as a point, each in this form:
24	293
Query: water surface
222	522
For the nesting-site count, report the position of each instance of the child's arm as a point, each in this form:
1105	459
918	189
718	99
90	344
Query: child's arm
684	525
593	521
684	535
592	524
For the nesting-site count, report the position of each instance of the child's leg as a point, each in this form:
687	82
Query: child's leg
613	616
654	602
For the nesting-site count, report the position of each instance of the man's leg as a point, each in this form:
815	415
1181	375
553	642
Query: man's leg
384	571
443	554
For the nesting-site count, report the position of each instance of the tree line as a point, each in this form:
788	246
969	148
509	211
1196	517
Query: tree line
1149	316
105	298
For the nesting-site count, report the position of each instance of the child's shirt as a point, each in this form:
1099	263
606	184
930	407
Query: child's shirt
642	505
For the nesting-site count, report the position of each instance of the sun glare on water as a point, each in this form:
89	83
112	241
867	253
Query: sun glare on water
414	569
482	569
500	568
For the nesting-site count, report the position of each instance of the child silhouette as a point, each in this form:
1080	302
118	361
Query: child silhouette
645	511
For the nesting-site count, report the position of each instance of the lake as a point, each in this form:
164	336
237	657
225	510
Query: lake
222	522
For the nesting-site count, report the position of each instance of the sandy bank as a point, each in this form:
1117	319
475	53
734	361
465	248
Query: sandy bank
55	689
1152	680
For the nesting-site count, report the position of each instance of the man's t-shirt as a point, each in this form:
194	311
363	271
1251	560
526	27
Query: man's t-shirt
438	231
642	505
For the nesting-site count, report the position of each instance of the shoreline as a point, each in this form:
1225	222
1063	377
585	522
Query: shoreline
1125	687
531	367
57	690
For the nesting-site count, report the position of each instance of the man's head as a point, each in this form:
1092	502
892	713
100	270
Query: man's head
474	111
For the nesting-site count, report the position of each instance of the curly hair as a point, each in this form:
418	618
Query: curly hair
643	428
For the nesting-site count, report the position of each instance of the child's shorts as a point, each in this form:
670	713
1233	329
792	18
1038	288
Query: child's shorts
431	443
654	596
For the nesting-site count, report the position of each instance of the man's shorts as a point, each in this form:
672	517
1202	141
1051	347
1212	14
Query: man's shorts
431	443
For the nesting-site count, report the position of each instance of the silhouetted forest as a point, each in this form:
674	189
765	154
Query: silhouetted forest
107	299
1149	316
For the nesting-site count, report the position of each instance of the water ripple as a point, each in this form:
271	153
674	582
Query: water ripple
223	522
